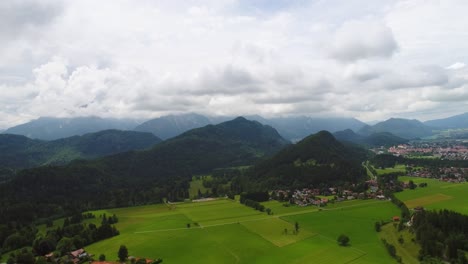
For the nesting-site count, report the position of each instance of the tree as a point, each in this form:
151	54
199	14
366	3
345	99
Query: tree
102	257
123	253
343	240
411	185
378	226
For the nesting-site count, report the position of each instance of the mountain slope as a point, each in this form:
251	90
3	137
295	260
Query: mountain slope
458	121
49	128
404	128
373	140
138	177
18	152
317	159
173	125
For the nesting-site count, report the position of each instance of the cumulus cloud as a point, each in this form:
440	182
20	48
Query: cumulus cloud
144	59
363	39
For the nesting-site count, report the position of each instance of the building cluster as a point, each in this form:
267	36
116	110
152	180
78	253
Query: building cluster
76	256
451	174
321	197
447	151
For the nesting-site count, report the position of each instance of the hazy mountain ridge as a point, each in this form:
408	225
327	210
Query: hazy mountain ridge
51	128
457	121
404	128
173	125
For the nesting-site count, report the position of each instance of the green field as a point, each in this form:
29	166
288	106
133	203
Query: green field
224	231
397	168
437	195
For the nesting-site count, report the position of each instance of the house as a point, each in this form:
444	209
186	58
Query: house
78	255
396	218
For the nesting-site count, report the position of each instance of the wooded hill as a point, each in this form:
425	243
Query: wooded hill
19	152
317	159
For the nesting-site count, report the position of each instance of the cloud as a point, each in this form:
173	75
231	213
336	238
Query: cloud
456	66
26	15
363	39
367	59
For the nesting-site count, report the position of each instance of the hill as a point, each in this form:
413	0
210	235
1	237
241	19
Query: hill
173	125
137	177
458	121
50	128
404	128
317	159
373	140
18	152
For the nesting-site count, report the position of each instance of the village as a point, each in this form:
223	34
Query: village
451	174
321	197
446	151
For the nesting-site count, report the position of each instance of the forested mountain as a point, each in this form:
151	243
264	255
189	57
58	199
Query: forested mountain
317	159
50	128
173	125
404	128
17	152
373	140
136	177
458	121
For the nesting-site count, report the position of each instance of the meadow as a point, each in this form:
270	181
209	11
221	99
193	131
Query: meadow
225	231
397	168
437	195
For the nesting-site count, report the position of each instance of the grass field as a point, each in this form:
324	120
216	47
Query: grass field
397	168
224	231
437	195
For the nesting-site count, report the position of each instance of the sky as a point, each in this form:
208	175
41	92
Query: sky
367	59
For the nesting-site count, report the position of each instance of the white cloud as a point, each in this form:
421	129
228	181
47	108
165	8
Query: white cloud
363	39
456	66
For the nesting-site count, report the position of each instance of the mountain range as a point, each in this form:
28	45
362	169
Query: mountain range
291	128
138	177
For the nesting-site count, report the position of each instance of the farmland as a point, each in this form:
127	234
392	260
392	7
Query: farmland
437	195
224	231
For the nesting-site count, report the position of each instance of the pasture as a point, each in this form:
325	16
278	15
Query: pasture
437	195
224	231
397	168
